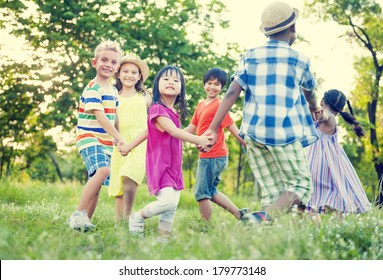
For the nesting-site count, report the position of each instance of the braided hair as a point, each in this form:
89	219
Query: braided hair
336	100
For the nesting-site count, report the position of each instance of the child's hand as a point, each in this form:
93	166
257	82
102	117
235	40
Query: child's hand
323	116
212	136
205	143
115	142
123	148
318	114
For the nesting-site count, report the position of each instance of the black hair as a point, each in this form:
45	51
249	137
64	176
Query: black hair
180	104
216	73
139	86
336	100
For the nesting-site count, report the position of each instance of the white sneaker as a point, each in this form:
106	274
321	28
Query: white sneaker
135	226
79	221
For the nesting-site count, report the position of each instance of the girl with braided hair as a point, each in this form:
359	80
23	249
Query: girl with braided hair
336	185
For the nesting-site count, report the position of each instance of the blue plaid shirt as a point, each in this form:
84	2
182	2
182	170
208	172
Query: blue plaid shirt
275	110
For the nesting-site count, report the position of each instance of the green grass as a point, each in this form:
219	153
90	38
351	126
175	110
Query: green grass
33	227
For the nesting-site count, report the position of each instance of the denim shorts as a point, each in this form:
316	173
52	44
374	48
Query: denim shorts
94	158
208	176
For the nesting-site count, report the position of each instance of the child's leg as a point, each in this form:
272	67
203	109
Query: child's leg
91	191
167	201
283	202
130	190
205	209
93	204
119	206
223	201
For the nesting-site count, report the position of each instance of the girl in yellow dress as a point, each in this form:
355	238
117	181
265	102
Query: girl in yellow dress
127	173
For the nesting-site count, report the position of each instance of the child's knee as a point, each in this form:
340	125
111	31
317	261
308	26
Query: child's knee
103	171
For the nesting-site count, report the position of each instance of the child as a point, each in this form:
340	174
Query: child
336	184
128	172
164	150
95	130
212	163
278	83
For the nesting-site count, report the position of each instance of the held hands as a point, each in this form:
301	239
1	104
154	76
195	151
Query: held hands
211	136
316	113
123	148
322	116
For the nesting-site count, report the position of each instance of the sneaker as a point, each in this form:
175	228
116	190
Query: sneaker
79	221
135	226
242	212
163	236
256	217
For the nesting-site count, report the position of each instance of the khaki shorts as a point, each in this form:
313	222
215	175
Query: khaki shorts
279	169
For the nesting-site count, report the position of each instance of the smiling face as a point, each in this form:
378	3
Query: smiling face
169	84
129	74
212	88
106	64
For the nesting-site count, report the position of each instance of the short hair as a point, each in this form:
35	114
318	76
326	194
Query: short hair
108	45
216	73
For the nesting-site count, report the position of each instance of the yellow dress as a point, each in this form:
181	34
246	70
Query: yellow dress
132	114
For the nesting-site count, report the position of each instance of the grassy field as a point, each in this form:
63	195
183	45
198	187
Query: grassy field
33	227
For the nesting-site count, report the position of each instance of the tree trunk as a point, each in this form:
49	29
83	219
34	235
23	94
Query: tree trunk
375	144
57	167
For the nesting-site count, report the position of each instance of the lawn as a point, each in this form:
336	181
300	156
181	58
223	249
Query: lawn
33	227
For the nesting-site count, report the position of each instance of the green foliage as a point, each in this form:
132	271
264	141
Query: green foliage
33	218
364	20
63	36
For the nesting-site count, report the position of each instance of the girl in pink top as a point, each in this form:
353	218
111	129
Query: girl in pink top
164	150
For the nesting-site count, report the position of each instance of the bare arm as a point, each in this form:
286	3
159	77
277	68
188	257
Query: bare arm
326	122
191	128
235	132
125	148
311	99
166	124
107	125
227	102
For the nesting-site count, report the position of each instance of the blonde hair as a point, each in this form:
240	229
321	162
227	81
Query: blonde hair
108	45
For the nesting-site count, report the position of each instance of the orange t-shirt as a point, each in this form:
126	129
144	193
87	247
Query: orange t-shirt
202	118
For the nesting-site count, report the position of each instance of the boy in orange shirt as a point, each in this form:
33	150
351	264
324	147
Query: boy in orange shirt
212	163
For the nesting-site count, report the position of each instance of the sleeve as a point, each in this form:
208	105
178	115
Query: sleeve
157	110
92	99
240	75
227	121
194	120
308	80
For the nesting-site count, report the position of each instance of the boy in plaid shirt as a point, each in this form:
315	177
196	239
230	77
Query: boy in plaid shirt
277	123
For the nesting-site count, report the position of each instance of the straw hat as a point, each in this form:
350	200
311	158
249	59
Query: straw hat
277	17
144	68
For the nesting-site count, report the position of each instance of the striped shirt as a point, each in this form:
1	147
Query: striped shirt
89	131
275	110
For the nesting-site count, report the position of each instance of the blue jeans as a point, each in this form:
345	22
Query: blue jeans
208	176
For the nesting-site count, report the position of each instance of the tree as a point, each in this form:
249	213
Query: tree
63	35
364	19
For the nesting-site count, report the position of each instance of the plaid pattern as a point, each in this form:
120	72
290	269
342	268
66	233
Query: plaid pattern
279	169
275	110
94	158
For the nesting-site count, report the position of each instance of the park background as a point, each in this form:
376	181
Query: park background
45	51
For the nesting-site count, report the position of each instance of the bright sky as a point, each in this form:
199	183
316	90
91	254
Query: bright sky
331	56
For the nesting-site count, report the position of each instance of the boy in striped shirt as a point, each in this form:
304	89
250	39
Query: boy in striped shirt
96	129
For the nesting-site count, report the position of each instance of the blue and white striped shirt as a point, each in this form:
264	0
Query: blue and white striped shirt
275	110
